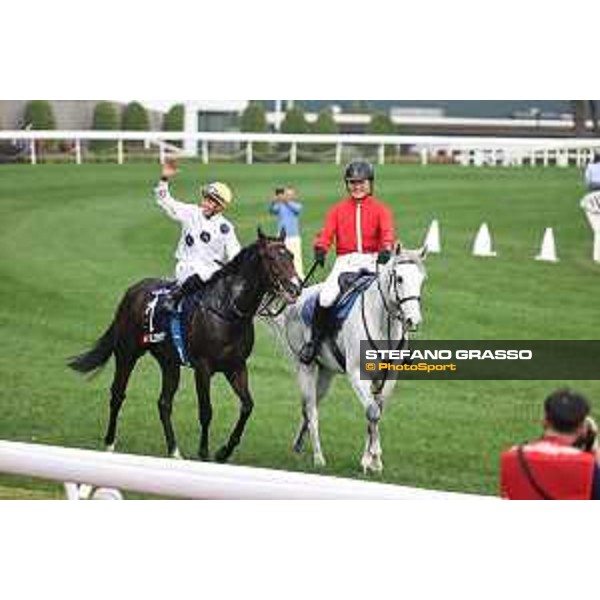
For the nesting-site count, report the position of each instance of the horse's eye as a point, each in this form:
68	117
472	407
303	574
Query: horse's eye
400	279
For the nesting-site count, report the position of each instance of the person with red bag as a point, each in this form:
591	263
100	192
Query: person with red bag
563	463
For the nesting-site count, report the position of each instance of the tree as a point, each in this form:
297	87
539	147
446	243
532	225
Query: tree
325	122
135	118
39	114
173	119
254	118
381	124
105	119
294	121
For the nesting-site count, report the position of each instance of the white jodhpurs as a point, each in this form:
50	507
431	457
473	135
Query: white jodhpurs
347	263
185	269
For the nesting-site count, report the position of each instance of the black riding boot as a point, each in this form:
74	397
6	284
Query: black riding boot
190	286
318	331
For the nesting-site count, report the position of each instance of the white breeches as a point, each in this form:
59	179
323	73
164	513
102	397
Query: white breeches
294	245
185	269
348	263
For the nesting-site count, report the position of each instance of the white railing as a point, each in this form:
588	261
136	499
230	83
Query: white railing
466	150
188	479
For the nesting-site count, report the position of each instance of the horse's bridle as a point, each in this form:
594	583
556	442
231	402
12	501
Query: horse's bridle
394	285
276	292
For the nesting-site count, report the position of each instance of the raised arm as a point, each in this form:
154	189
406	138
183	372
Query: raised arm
178	211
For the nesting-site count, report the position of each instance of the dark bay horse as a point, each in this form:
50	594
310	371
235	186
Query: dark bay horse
220	336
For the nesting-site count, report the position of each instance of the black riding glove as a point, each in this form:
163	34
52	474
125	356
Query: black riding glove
383	257
320	255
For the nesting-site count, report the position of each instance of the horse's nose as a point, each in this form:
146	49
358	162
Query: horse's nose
412	325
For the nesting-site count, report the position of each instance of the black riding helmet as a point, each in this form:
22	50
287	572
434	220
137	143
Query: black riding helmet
359	169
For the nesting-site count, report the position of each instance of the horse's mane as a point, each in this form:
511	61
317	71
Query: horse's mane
234	264
413	256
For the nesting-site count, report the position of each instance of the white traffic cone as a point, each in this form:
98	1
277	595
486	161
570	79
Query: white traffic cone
483	242
548	249
432	239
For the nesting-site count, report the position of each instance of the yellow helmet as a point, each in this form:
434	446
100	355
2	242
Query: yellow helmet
219	192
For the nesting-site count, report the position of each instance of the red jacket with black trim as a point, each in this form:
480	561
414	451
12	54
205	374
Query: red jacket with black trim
376	226
563	472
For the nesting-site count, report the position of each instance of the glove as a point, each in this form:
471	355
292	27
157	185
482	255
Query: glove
383	257
320	256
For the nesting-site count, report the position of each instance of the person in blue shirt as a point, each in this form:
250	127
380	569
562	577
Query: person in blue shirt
287	209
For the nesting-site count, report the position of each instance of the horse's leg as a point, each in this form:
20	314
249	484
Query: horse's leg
308	376
371	459
238	379
324	380
202	376
124	364
170	382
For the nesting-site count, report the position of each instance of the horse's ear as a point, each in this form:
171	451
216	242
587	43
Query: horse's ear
398	249
282	234
261	236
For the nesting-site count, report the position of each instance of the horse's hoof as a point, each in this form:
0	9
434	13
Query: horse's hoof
204	455
176	454
222	454
298	447
319	460
110	448
371	463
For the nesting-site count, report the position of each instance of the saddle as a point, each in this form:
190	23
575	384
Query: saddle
351	286
160	323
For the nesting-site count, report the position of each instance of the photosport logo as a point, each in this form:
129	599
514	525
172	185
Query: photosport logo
478	359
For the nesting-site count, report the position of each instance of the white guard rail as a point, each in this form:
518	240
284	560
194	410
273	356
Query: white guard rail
467	150
196	480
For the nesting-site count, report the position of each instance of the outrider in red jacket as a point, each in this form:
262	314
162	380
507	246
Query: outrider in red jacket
376	231
561	471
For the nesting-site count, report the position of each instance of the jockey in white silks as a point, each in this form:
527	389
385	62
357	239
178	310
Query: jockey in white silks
363	229
590	204
208	239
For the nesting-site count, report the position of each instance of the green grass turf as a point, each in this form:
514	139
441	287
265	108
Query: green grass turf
72	238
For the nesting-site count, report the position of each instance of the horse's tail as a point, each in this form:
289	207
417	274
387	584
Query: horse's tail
98	356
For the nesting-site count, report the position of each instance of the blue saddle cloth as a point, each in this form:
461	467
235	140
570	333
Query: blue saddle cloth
352	285
161	323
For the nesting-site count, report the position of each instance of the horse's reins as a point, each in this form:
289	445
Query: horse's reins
265	311
403	342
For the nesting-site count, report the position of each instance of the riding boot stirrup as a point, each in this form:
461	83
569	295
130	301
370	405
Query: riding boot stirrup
309	351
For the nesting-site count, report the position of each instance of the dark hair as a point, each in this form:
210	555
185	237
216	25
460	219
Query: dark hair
596	157
566	410
279	190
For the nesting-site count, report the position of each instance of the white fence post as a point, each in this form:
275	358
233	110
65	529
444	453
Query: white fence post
293	153
78	151
338	154
424	156
381	154
161	153
32	154
205	152
120	151
249	155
